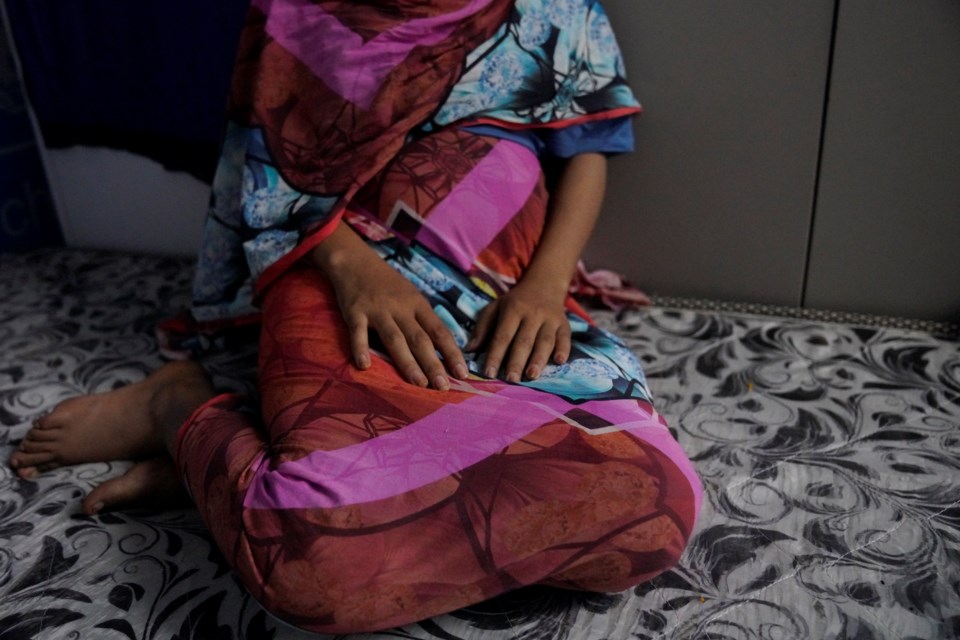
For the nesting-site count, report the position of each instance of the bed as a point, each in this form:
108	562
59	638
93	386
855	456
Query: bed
829	452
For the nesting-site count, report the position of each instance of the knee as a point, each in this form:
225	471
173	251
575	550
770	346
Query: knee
641	527
626	556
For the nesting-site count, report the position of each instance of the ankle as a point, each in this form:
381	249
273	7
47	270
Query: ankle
173	402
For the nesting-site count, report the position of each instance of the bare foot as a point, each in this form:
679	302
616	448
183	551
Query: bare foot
135	422
154	482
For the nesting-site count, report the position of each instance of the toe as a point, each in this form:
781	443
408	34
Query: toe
154	479
42	435
45	421
48	466
36	446
113	493
21	459
61	415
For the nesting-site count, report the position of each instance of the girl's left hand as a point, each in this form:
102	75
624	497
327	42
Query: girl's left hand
529	322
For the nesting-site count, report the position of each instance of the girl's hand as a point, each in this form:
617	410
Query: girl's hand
530	320
528	325
371	295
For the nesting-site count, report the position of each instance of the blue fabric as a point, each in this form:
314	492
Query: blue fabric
600	136
146	77
528	138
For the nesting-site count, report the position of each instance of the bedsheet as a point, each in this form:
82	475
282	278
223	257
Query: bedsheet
830	456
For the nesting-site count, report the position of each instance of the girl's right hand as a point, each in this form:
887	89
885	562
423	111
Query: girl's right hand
371	295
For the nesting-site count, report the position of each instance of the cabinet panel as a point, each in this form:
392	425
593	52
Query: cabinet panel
716	202
887	229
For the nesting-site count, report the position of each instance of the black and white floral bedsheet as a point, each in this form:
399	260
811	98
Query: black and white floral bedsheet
830	456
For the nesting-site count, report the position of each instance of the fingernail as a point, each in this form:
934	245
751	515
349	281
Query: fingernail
513	376
460	371
490	372
533	371
363	363
420	381
441	383
560	359
97	507
14	464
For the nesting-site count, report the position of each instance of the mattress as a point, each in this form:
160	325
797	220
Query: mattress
829	453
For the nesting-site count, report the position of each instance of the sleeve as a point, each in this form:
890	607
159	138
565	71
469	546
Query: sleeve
598	136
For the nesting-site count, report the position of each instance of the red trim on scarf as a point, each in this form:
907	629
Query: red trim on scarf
276	269
555	124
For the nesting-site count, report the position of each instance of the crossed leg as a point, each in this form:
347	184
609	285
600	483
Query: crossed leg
136	422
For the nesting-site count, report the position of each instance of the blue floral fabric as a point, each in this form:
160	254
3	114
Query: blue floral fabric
554	60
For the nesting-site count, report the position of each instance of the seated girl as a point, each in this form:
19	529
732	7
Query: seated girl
438	422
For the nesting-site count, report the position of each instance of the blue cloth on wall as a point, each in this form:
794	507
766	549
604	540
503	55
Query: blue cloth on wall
27	219
147	77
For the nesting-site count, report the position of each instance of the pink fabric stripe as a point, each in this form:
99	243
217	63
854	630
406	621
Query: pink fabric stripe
353	68
462	224
449	440
445	442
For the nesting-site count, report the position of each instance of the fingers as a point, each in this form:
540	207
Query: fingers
485	322
523	340
401	348
520	349
503	335
561	352
412	335
379	299
359	342
425	355
443	342
542	349
413	340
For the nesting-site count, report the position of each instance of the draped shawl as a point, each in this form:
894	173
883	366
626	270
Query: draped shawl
326	92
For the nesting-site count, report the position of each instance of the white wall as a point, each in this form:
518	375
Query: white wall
109	199
116	200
